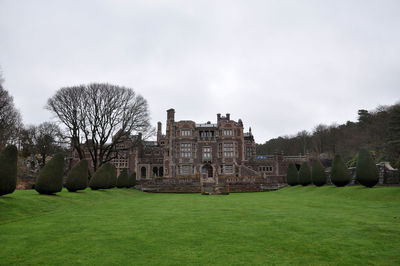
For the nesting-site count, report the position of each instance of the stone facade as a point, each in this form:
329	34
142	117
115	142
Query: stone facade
192	157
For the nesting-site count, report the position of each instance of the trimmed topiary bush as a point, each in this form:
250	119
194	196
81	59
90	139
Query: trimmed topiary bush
318	173
50	179
304	174
8	169
112	175
123	179
132	180
99	179
366	170
77	178
292	175
340	175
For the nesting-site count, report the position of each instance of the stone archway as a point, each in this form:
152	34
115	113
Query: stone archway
208	170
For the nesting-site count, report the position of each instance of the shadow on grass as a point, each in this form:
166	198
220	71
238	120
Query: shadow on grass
7	198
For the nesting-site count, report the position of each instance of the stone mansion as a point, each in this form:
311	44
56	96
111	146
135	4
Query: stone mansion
192	150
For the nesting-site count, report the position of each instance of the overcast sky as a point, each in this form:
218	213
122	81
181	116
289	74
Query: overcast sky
280	66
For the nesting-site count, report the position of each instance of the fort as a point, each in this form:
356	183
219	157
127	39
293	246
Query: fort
209	157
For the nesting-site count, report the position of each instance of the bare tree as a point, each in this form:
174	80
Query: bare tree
102	114
44	139
10	118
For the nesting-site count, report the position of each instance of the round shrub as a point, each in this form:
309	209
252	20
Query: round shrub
123	179
318	173
8	169
366	171
99	179
340	175
132	180
292	175
304	174
77	178
50	179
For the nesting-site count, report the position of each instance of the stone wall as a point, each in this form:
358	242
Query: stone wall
223	185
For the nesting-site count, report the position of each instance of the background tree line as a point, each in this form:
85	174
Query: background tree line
377	131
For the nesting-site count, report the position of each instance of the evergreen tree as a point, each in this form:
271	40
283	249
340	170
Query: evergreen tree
304	174
112	175
340	175
292	175
8	169
132	180
77	178
50	179
100	178
318	173
123	179
366	170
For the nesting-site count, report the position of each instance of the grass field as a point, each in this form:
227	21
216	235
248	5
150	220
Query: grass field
296	225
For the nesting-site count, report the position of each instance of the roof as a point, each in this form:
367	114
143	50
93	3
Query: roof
206	125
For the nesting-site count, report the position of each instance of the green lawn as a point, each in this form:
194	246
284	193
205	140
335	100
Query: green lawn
297	225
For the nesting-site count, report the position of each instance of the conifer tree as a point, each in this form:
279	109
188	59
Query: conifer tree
112	175
304	174
318	173
123	179
366	170
292	175
50	179
132	180
8	169
99	179
77	178
340	175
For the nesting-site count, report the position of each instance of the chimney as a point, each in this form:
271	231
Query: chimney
171	115
218	117
159	128
228	116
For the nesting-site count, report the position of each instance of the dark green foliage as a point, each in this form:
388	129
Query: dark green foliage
340	175
304	174
8	169
123	179
112	175
100	178
132	180
50	179
292	175
366	171
318	173
77	178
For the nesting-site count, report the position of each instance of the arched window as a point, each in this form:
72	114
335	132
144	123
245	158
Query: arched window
161	171
155	171
143	172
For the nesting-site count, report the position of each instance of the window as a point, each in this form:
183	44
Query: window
249	151
207	153
228	132
186	170
228	149
206	134
185	133
186	150
265	168
228	169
